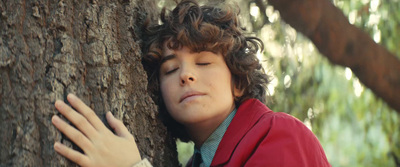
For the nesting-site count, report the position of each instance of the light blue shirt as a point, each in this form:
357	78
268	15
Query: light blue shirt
209	147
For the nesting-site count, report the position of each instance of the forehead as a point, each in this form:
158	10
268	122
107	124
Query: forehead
166	50
169	54
170	46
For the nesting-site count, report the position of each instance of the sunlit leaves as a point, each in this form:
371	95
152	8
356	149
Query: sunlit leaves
354	127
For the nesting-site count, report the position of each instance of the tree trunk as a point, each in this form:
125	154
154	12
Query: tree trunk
345	44
90	48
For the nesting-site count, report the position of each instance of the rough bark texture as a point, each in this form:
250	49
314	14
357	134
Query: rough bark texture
345	44
51	48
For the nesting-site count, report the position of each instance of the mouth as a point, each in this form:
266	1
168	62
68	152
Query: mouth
190	94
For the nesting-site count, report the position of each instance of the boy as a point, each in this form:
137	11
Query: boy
211	88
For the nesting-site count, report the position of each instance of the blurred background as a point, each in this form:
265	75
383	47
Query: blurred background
354	127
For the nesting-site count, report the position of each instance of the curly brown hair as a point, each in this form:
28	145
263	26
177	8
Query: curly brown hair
204	28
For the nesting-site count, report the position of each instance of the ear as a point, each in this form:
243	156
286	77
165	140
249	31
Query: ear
238	92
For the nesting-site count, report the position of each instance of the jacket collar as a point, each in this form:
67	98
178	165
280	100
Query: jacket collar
247	115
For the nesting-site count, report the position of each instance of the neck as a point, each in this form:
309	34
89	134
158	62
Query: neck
200	131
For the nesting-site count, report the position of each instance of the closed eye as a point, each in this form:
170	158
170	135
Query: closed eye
203	64
171	71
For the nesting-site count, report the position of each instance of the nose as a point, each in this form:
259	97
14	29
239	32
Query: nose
187	80
187	77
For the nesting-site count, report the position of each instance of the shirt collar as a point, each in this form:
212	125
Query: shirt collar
209	147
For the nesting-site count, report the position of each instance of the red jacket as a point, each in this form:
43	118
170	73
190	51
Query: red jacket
258	136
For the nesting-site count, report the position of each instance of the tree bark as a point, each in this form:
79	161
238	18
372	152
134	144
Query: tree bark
344	44
90	48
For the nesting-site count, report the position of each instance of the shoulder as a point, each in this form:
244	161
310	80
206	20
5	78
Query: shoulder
283	123
255	116
284	129
286	142
258	136
274	126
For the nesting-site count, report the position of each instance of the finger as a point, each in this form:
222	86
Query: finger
118	126
76	136
77	119
86	111
71	154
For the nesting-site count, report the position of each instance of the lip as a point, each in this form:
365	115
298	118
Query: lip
190	94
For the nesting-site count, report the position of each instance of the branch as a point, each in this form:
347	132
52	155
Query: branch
345	45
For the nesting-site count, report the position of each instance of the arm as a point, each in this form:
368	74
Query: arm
100	146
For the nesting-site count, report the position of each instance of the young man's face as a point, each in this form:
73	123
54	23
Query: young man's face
196	87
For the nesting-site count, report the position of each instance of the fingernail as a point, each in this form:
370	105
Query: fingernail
57	102
55	119
110	113
71	96
57	146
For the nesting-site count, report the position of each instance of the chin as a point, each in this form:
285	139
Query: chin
188	121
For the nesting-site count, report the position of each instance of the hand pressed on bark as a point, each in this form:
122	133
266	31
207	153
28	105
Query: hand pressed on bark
101	147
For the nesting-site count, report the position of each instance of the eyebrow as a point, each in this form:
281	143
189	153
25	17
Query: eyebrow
166	58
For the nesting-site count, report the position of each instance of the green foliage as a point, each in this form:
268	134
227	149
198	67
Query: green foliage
354	127
185	151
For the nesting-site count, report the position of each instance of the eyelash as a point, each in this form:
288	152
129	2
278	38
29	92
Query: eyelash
203	64
173	70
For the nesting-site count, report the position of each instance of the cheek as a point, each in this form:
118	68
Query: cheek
225	85
168	93
164	90
219	86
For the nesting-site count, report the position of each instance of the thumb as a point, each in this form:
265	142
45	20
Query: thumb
117	125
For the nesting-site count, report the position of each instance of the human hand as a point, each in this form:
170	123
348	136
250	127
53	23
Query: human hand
101	147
